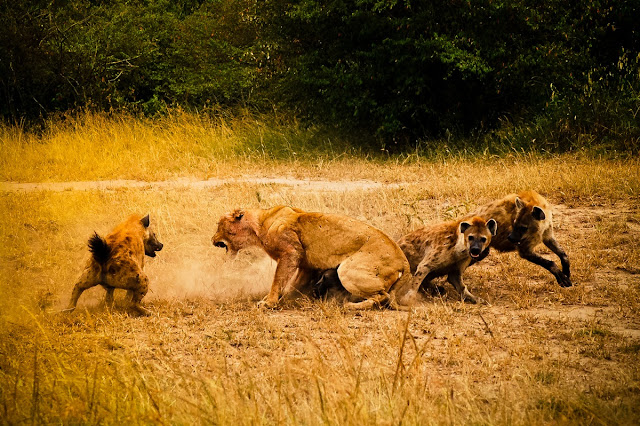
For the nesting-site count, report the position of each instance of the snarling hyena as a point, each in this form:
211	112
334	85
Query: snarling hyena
446	249
525	221
117	261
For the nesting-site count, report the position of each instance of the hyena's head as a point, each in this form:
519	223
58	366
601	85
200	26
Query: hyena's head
529	219
477	234
236	231
151	243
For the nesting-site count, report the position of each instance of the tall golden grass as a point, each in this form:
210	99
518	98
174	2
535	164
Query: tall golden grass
97	146
538	354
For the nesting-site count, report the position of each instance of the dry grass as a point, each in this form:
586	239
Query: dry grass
538	354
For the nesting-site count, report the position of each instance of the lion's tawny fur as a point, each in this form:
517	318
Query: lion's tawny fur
369	264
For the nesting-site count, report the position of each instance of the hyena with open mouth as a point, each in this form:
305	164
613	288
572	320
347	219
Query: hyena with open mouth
446	249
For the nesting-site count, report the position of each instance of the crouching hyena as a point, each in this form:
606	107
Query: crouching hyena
117	262
446	249
525	221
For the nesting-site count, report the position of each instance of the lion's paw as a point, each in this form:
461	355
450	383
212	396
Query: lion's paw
266	304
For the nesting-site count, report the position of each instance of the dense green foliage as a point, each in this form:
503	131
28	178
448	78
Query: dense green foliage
555	74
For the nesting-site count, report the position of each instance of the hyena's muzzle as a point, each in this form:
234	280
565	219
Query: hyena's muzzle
152	245
476	246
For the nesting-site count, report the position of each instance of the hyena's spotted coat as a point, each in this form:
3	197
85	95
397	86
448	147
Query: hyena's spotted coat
524	222
446	249
117	261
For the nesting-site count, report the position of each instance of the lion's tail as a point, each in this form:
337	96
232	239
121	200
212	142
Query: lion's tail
99	249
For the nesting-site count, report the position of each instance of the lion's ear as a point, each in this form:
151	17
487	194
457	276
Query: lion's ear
238	214
145	221
519	203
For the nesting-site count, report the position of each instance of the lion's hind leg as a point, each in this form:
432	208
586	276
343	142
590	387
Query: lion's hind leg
379	300
369	282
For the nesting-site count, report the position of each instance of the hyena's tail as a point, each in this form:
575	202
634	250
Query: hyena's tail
99	249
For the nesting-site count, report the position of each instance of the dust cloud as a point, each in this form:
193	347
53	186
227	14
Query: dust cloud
216	277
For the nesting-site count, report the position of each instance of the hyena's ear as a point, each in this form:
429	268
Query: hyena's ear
492	226
519	203
538	213
145	221
464	226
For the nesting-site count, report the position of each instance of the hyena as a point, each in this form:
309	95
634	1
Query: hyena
117	261
525	221
446	249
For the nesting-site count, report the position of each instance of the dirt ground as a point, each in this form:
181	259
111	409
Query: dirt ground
207	354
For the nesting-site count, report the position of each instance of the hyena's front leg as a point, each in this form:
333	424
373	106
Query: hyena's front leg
528	254
419	276
553	245
90	278
455	279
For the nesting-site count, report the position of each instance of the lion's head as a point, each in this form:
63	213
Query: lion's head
235	232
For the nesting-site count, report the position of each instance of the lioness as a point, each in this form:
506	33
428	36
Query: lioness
369	264
446	249
117	262
525	221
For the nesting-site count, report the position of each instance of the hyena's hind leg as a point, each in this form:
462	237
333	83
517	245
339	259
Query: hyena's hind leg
89	278
108	297
137	288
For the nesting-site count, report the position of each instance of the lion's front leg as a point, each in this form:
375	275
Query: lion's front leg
285	271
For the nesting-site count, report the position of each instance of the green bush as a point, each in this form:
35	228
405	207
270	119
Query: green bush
551	75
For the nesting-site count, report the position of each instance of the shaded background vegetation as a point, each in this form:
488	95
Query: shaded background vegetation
551	75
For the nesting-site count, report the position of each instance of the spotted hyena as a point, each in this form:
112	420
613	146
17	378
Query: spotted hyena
117	261
524	222
446	249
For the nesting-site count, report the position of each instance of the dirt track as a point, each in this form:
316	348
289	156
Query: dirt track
299	184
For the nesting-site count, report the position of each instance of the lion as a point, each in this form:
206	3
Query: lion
369	264
117	261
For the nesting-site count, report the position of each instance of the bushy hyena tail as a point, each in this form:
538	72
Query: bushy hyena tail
99	248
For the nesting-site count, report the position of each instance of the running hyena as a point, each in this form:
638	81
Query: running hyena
525	221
